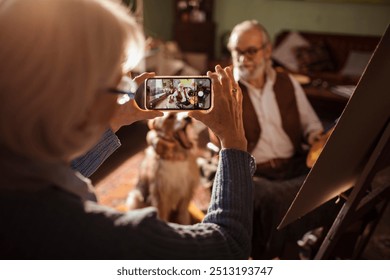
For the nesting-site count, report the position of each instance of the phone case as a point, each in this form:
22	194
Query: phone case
178	93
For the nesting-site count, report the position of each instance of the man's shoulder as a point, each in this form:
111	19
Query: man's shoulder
284	76
285	80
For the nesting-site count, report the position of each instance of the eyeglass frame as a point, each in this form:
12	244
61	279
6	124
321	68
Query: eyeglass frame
125	95
247	52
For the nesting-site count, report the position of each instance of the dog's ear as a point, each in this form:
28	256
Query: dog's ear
151	124
182	122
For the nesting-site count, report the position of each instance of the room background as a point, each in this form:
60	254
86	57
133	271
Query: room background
340	16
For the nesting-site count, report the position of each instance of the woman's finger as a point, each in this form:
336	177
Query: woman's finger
141	78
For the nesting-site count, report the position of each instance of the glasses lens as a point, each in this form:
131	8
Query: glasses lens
126	84
128	87
249	52
252	51
122	99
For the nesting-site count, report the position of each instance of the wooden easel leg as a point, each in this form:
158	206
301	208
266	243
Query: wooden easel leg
348	211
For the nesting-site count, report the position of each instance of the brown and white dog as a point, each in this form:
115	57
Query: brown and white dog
168	173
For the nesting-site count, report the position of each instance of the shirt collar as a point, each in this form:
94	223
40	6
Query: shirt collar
29	175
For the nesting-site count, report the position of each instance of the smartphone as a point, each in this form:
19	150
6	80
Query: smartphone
177	93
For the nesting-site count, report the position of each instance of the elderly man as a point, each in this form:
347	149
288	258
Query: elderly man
279	124
278	118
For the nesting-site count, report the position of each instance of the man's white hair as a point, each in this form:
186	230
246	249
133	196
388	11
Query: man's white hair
249	25
56	56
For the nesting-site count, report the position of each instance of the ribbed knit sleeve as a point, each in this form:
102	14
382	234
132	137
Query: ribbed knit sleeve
231	204
90	162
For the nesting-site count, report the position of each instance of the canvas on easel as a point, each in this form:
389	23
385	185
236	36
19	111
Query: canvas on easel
366	202
356	136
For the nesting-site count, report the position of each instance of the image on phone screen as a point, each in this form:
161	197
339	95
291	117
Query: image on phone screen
178	93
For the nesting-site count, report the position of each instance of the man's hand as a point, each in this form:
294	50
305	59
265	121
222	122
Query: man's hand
314	136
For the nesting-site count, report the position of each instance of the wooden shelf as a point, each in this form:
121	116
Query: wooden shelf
194	29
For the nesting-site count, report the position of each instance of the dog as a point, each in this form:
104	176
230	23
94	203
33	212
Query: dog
168	173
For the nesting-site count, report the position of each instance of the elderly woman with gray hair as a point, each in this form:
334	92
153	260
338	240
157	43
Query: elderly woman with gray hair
60	63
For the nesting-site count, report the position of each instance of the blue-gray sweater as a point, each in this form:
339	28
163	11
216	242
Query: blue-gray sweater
48	211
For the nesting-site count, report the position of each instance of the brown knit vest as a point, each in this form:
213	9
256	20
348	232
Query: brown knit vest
285	98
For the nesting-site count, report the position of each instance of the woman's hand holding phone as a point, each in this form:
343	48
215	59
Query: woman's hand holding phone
225	118
130	112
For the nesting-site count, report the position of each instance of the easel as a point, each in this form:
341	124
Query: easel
362	199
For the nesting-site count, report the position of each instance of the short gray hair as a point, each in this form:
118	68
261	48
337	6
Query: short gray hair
56	56
248	25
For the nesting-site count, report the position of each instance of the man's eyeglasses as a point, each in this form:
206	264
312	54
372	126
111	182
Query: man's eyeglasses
249	52
126	90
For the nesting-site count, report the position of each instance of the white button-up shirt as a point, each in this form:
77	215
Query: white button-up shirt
274	142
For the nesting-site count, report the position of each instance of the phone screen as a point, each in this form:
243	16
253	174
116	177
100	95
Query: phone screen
178	93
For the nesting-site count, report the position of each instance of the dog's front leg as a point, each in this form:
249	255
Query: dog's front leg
183	217
162	208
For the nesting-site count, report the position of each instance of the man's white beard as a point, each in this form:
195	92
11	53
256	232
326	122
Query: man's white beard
248	75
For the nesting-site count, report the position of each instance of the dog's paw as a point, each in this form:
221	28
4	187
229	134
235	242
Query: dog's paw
135	200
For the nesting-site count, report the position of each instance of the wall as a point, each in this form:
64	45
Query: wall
159	18
276	15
